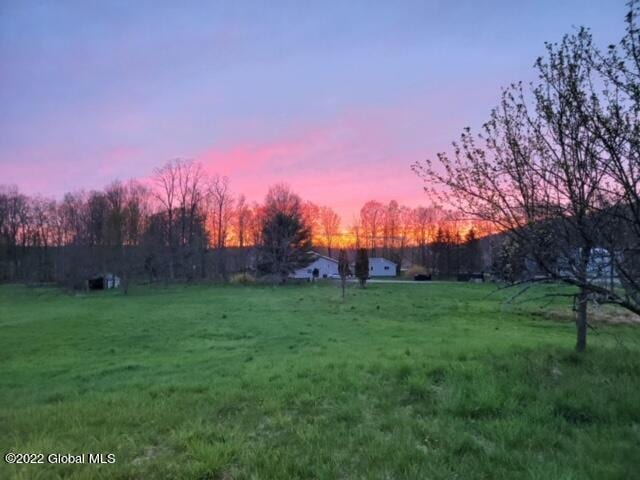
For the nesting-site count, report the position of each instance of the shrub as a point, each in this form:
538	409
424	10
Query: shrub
243	279
362	266
415	270
271	279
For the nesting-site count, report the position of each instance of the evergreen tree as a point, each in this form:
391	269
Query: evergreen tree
440	254
286	239
362	266
472	261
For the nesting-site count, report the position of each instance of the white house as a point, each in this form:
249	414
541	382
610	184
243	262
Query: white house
381	267
600	269
325	267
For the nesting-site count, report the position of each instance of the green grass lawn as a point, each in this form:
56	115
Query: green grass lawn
396	382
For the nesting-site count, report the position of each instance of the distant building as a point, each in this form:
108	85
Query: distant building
381	267
102	282
323	267
600	269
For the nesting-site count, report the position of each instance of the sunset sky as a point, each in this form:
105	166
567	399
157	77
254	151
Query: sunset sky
338	99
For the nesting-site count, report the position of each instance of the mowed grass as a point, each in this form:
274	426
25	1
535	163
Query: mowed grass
425	381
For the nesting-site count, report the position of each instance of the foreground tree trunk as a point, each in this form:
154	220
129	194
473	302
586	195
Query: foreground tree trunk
582	320
343	268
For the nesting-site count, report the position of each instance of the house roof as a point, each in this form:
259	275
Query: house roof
317	255
381	259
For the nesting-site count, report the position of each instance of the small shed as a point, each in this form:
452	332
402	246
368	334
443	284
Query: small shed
103	282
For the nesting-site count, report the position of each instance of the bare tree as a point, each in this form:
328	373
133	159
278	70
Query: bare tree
614	116
390	227
356	232
137	212
536	173
256	222
166	179
405	230
329	227
422	221
221	204
222	211
191	194
241	220
181	193
193	241
128	209
311	218
241	227
371	222
41	218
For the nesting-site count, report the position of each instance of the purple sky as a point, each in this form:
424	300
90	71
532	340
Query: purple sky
336	98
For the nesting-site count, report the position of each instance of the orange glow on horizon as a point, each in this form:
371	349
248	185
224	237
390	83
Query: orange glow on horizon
348	238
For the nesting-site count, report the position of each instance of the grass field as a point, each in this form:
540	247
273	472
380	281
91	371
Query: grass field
396	382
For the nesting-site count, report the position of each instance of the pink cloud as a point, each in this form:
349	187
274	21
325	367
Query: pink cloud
55	171
342	164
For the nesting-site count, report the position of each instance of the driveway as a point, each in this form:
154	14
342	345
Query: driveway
382	280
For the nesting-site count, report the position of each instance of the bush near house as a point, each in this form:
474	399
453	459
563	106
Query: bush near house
415	270
242	279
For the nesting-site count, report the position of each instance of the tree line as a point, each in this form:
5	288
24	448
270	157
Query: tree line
184	224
